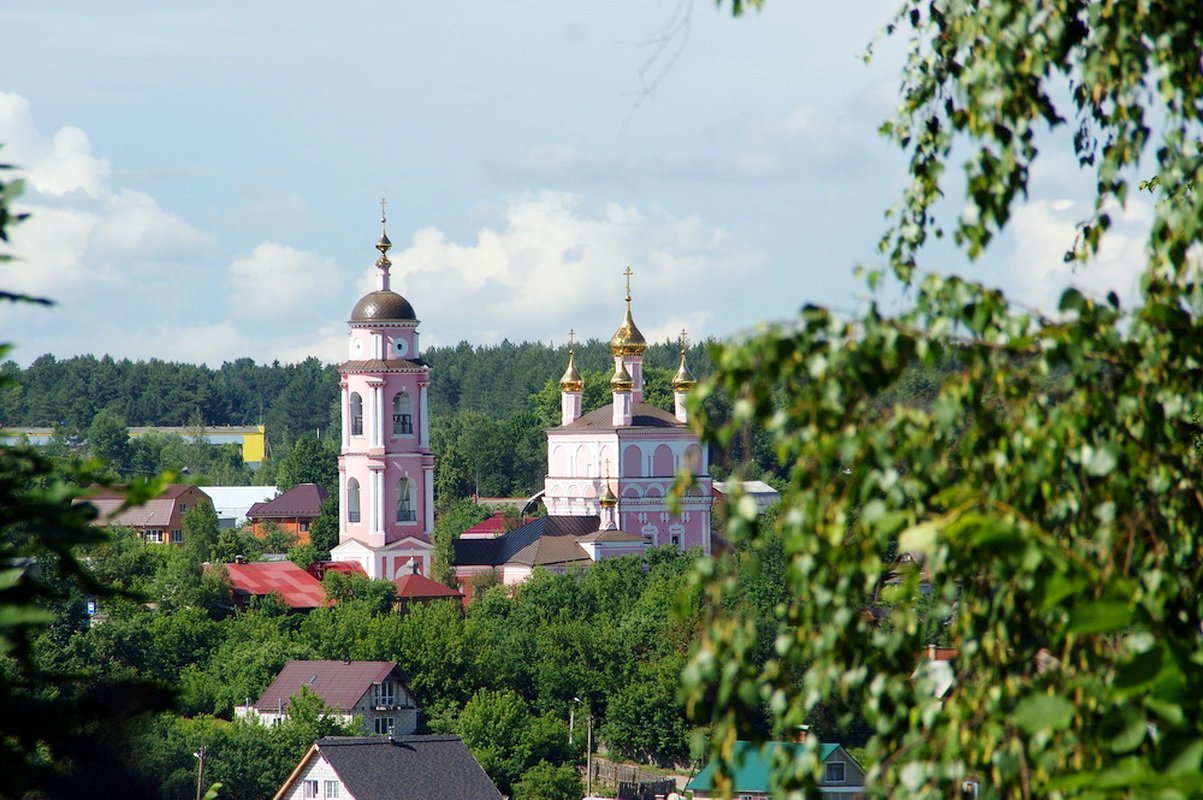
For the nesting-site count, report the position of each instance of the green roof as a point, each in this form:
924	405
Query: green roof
751	763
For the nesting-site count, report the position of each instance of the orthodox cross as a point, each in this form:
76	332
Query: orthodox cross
628	273
383	203
571	333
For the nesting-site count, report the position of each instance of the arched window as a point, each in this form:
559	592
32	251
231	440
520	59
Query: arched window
352	500
356	414
632	462
405	501
403	414
662	462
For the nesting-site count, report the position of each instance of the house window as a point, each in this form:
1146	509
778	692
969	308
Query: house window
154	535
177	536
352	500
304	526
331	789
405	501
309	789
386	694
183	507
676	540
356	414
969	789
385	726
835	772
403	410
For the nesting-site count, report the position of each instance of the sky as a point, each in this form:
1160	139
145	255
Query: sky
204	179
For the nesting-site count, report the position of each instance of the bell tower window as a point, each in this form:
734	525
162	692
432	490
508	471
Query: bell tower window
405	501
352	500
403	414
356	414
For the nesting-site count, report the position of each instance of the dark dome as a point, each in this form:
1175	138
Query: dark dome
382	305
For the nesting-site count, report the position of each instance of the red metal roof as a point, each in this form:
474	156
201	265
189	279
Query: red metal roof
297	587
302	500
414	586
340	684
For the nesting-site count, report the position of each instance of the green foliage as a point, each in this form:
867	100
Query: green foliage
449	523
549	782
200	531
309	461
1048	477
323	531
109	442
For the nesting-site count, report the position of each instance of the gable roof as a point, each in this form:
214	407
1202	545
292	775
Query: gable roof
406	768
340	684
419	587
751	764
297	587
302	500
507	547
155	512
643	415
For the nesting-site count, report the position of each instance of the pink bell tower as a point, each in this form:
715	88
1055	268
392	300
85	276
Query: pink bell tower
385	468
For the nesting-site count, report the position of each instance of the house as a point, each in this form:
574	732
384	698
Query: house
372	692
760	492
159	520
396	768
297	588
555	543
293	511
232	502
842	778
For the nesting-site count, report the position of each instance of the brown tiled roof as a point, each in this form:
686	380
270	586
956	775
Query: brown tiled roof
340	684
416	586
643	415
297	587
154	513
384	365
302	500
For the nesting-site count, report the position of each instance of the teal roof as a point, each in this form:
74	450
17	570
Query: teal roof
751	762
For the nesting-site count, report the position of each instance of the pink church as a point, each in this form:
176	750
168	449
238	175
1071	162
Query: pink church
631	448
385	467
609	477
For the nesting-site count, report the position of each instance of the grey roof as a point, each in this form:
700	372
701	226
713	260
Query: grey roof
407	768
384	365
643	415
517	544
302	500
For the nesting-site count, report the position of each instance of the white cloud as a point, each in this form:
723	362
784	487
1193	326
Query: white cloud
1044	229
277	281
554	262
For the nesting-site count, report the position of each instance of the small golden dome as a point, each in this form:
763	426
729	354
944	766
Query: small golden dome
621	380
627	340
683	381
608	498
571	381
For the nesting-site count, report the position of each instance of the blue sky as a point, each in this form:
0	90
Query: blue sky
204	177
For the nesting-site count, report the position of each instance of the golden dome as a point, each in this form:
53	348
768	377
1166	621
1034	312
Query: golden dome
621	380
608	497
683	381
571	381
627	340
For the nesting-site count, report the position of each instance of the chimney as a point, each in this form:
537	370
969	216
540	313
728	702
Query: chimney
240	559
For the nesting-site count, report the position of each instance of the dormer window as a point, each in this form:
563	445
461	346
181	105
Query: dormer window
386	693
834	772
356	414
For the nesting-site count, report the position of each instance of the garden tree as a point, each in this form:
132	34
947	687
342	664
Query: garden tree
449	523
507	741
549	782
309	461
323	531
200	531
108	441
1059	518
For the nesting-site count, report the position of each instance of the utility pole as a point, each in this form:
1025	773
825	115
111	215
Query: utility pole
589	759
200	770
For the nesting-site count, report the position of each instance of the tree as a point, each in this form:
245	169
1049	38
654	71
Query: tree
547	782
309	461
1048	485
108	441
200	531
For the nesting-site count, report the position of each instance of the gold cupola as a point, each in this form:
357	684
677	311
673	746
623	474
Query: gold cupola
571	381
608	499
627	340
621	380
683	381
